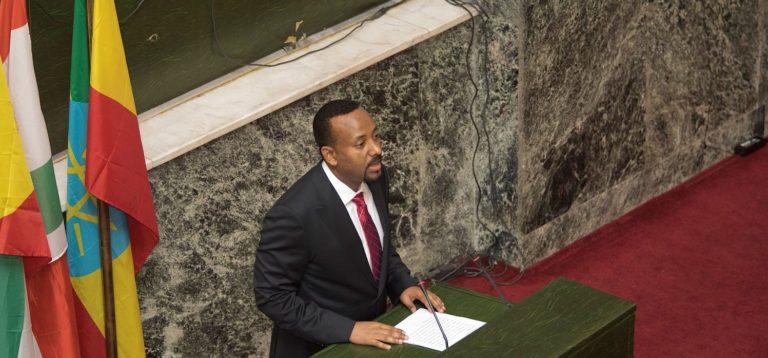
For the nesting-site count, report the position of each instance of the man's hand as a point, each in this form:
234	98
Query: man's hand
414	293
376	334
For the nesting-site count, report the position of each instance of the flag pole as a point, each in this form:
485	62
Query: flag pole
110	332
89	13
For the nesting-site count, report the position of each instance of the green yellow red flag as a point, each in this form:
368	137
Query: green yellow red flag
103	124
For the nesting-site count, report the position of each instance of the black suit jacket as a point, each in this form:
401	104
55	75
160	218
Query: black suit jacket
311	276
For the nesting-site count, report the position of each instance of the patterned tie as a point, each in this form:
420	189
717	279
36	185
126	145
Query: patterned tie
371	234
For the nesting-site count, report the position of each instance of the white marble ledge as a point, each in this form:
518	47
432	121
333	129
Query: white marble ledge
247	94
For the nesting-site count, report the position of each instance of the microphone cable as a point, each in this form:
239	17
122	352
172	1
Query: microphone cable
422	285
218	50
503	236
491	280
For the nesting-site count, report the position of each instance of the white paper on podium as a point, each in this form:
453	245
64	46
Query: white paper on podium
422	330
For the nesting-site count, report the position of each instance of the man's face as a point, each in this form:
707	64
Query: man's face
356	152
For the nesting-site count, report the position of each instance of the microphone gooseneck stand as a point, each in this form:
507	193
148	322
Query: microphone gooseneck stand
422	285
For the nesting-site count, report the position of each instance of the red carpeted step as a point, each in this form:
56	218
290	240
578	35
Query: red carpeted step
694	260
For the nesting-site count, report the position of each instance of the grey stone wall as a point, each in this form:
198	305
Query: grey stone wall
196	289
617	101
620	100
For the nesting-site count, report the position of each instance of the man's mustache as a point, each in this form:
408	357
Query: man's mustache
375	160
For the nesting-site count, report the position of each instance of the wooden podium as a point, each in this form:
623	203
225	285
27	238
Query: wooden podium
563	319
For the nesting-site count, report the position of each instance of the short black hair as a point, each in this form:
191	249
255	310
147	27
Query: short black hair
321	125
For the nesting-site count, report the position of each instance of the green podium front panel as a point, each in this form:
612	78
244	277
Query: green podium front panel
563	319
458	301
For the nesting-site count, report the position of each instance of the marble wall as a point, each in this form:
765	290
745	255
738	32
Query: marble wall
196	288
608	104
620	100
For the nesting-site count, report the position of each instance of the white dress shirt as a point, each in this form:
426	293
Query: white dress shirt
346	195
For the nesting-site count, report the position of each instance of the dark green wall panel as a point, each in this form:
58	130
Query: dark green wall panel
169	44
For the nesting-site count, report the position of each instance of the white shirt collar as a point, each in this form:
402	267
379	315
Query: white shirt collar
345	193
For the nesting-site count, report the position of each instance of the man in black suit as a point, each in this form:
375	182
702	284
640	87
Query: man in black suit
325	264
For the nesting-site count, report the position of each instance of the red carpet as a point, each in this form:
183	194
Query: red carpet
694	260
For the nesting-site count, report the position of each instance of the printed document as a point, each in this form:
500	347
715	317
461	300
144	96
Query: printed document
422	330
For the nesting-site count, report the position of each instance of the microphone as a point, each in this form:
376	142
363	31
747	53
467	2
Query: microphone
491	280
422	284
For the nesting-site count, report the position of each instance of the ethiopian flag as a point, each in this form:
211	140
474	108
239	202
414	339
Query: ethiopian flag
105	161
40	296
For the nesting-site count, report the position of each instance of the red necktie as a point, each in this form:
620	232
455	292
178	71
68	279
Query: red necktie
371	234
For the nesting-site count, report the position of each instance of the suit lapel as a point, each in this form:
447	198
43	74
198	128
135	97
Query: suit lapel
336	218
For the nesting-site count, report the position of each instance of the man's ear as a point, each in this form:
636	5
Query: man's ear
329	156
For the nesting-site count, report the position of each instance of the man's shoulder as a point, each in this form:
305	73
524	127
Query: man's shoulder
304	191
